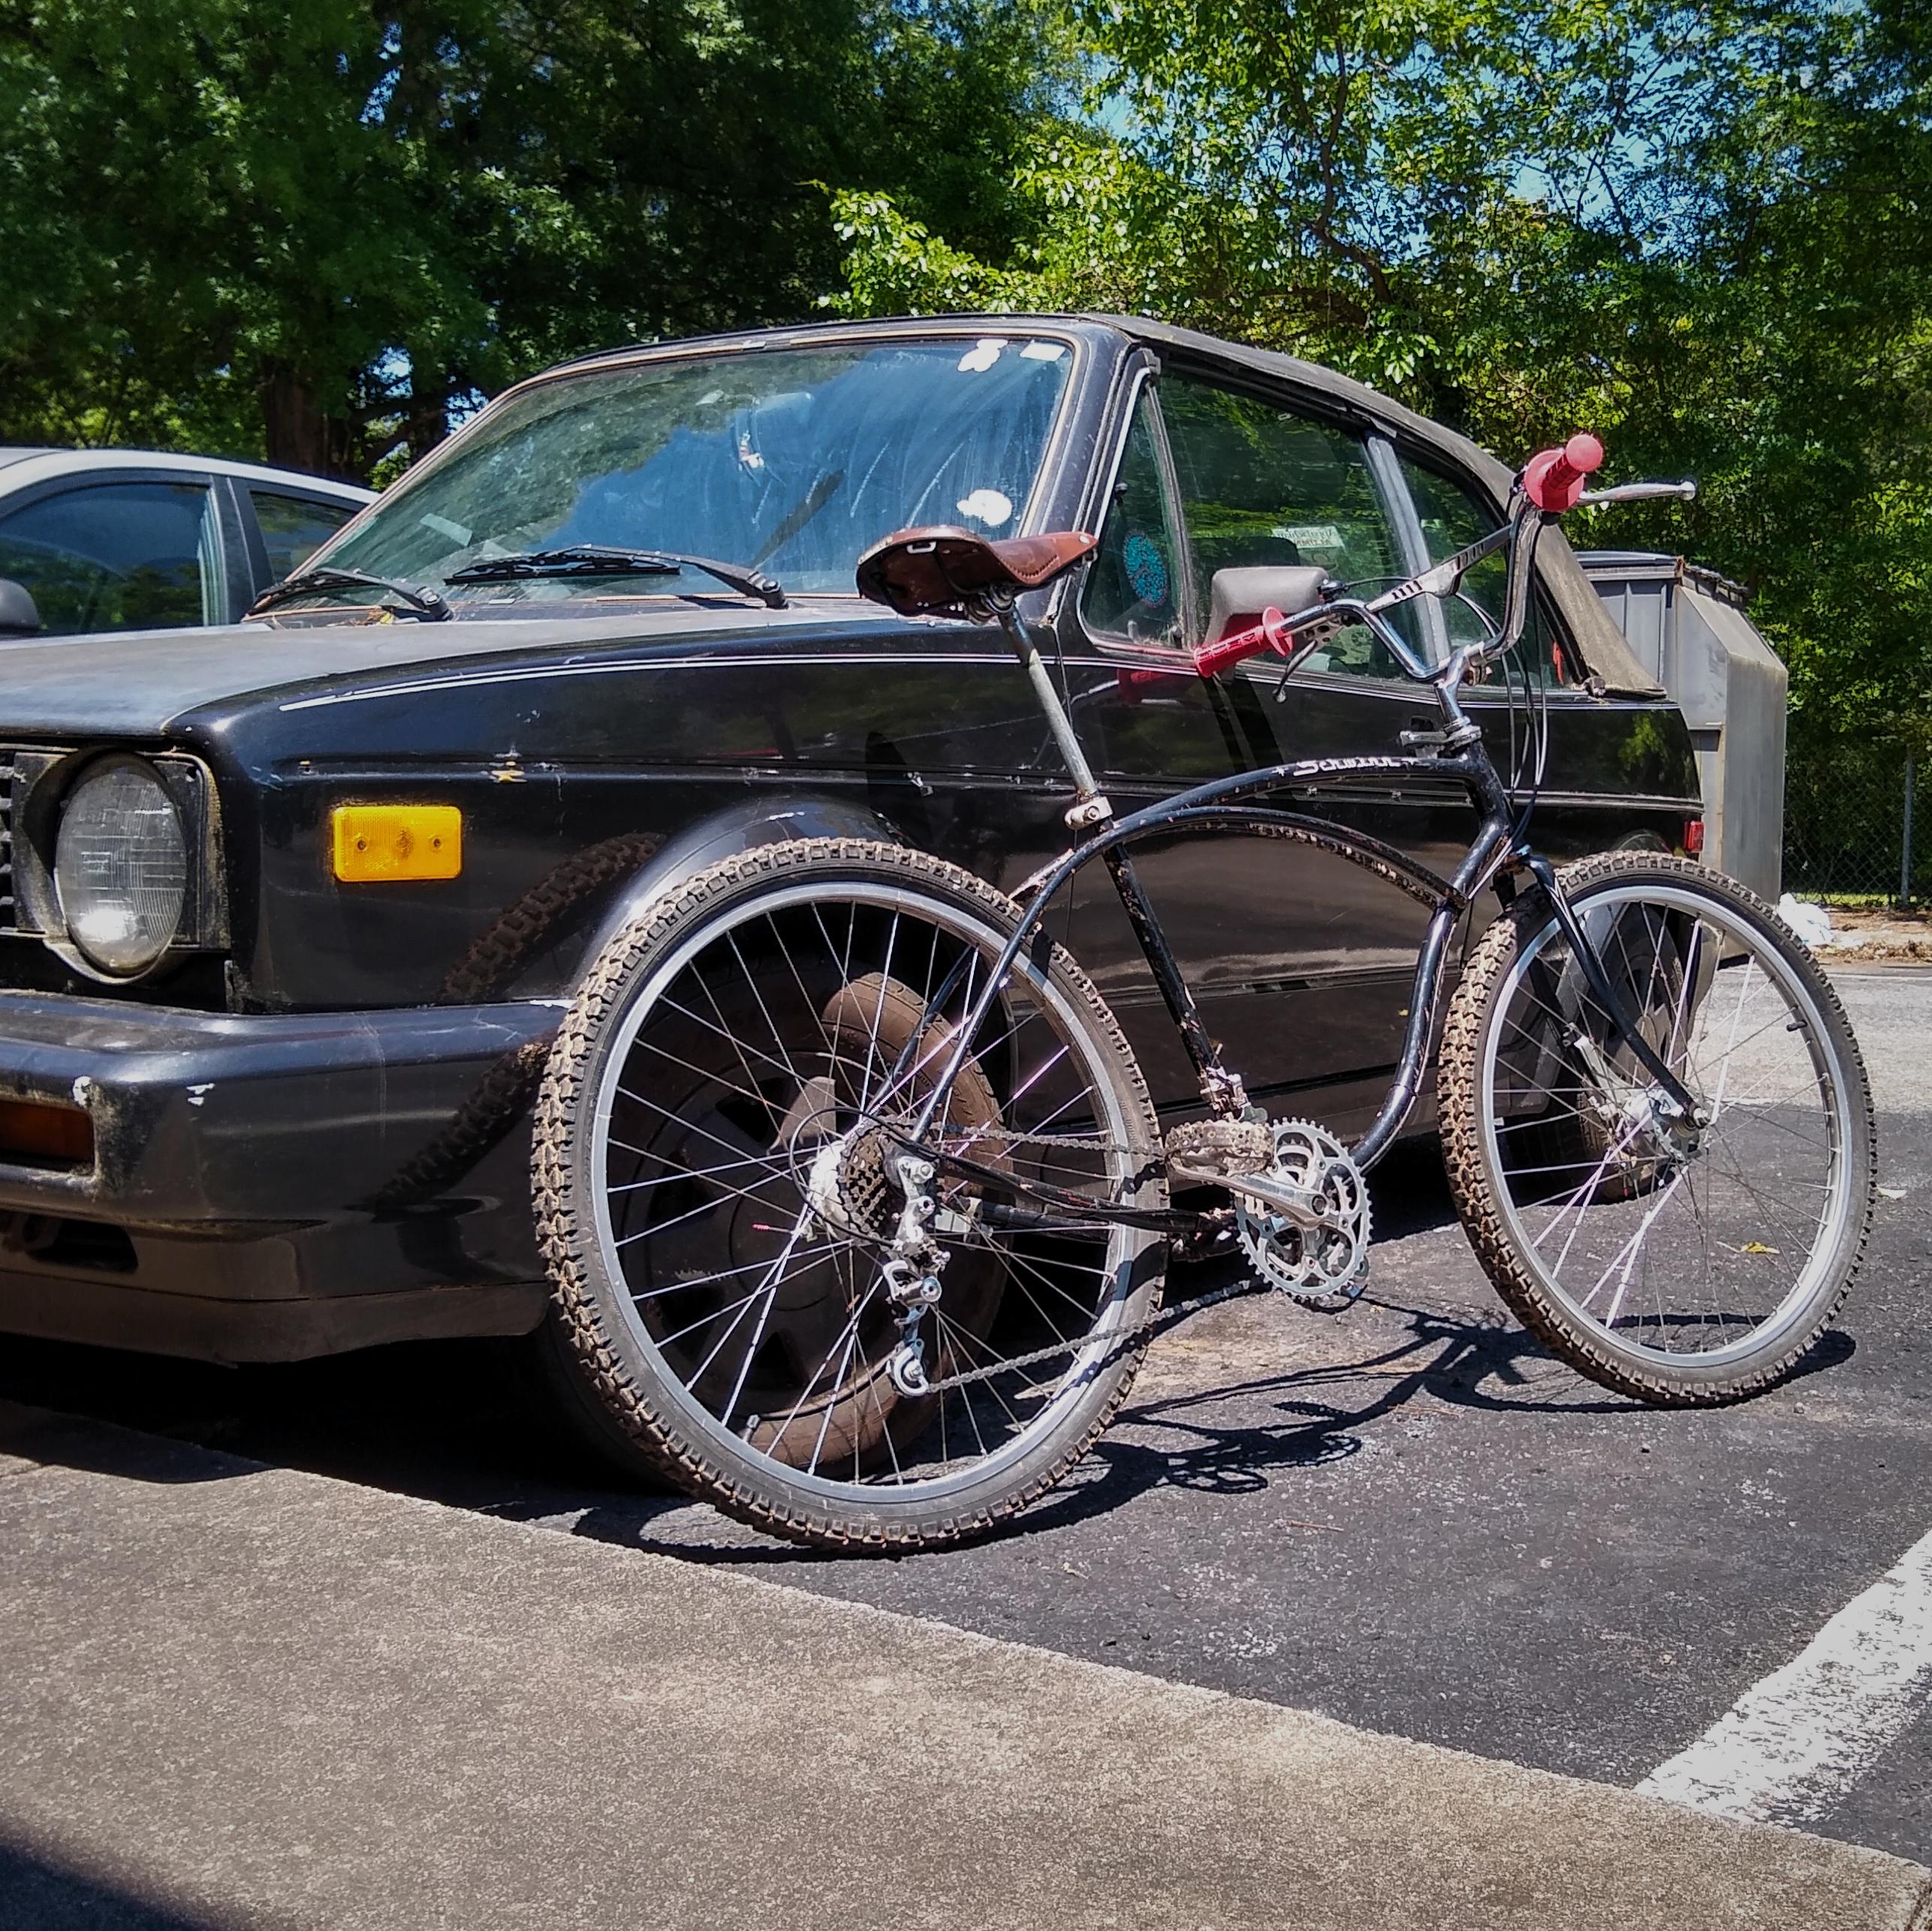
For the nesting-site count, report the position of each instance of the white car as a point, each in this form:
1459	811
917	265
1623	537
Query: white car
131	539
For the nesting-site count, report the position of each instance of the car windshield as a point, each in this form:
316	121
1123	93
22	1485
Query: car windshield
791	460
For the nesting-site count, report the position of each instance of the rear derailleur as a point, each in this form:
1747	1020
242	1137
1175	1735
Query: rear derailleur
912	1271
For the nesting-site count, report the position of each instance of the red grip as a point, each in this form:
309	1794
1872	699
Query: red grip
1553	479
1239	645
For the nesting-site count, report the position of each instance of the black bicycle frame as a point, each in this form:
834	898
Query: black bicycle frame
1219	805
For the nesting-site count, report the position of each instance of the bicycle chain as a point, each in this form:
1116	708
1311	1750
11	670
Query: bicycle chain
1160	1319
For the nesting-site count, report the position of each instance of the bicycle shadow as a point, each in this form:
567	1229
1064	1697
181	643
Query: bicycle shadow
1317	1416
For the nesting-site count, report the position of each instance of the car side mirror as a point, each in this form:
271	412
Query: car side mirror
19	616
1238	595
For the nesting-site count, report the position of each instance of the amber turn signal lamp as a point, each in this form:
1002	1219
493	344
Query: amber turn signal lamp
382	844
46	1133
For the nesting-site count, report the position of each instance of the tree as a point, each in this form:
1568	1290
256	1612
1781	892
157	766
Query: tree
308	227
1702	231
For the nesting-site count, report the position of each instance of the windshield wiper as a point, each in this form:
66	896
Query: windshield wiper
428	605
598	559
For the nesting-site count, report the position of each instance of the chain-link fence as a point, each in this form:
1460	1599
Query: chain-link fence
1858	823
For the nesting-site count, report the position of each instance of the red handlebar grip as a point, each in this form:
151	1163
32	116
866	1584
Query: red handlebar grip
1553	479
1239	645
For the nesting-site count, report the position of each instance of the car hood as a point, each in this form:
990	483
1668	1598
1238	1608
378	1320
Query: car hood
138	683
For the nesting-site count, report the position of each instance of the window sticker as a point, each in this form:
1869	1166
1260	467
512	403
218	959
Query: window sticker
991	506
981	356
1043	351
1147	568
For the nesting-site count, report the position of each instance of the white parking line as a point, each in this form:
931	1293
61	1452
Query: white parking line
1791	1745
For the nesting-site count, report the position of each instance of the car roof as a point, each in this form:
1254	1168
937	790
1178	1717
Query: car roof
20	464
784	335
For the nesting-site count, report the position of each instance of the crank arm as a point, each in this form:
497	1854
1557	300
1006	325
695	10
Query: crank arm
1292	1203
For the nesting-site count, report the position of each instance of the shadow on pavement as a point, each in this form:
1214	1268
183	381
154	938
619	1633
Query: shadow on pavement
454	1422
47	1896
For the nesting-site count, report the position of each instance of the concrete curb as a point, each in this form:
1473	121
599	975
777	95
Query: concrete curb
239	1696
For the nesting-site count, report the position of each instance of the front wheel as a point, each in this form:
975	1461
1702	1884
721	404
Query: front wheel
718	1184
1681	1260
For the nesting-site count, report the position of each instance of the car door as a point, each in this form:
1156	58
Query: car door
128	553
1264	481
1206	481
1303	963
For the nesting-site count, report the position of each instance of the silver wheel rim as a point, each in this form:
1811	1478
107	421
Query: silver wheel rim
1070	1376
1620	1287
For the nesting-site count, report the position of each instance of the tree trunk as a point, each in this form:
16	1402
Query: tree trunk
427	423
299	435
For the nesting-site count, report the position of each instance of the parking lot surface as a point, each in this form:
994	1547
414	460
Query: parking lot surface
1407	1517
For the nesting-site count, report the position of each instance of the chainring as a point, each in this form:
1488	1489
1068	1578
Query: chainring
1323	1268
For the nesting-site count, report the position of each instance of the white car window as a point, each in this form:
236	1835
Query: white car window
117	556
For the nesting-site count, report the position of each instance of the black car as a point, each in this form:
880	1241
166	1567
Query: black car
297	907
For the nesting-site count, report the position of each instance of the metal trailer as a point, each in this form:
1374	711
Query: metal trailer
1687	627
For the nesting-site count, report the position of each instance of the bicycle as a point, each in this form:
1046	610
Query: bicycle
856	1210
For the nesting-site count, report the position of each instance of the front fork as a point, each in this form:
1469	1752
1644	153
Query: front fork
1678	1105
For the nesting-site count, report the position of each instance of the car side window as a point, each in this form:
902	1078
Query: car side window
293	528
117	556
1132	586
1453	517
1260	485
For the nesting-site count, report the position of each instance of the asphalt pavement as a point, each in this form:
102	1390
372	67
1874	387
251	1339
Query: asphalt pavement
240	1696
1407	1518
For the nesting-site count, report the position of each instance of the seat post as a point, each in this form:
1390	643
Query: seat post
1090	806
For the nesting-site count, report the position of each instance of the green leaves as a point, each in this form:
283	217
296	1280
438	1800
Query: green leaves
312	228
309	227
1705	231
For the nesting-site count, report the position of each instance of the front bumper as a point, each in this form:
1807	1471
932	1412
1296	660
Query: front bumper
266	1186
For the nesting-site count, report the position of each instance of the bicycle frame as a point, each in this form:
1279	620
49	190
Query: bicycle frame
1495	852
1219	805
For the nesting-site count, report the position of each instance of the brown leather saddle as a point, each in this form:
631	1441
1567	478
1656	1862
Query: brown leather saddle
944	570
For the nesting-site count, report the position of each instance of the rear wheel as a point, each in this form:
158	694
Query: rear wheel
1679	1260
717	1184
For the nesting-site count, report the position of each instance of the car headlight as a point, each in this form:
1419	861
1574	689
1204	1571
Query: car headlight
120	867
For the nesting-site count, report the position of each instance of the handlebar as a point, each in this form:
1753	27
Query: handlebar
1270	634
1552	482
1638	492
1552	478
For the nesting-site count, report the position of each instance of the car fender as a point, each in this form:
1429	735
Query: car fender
742	827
